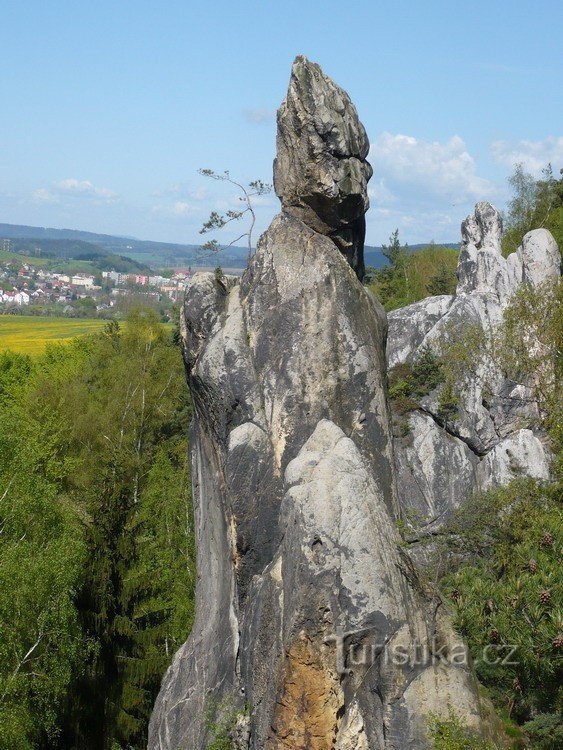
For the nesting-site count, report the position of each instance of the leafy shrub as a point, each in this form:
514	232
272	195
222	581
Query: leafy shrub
452	734
409	382
448	401
221	723
427	373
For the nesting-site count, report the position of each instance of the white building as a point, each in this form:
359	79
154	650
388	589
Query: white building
82	279
15	298
112	276
158	280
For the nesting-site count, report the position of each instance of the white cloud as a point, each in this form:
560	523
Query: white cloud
415	224
183	190
433	170
178	209
268	199
423	188
380	193
181	208
534	155
72	188
259	115
199	194
42	195
84	188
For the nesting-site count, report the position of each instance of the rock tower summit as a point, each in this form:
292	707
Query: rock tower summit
321	170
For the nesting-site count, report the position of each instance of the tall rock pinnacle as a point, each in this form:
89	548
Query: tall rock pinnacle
312	631
321	172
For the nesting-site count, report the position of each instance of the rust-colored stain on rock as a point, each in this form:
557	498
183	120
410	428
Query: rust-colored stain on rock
307	710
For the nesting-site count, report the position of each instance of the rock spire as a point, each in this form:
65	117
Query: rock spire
312	630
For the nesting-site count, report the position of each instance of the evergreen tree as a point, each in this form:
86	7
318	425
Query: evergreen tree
444	282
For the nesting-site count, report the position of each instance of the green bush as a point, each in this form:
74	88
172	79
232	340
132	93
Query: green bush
507	591
409	382
545	731
221	723
448	401
452	734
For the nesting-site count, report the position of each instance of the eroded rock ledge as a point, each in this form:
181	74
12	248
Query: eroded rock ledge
305	602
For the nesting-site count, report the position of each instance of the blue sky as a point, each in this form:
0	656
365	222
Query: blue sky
109	108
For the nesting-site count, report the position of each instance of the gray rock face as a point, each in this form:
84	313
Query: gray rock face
408	326
489	441
540	257
306	604
436	471
321	172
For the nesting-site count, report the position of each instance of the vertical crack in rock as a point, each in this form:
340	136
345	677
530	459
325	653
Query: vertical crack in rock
304	605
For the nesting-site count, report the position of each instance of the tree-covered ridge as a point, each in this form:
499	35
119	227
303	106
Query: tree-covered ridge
96	549
412	276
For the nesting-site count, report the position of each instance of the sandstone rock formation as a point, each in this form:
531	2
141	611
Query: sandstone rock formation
489	441
321	172
312	628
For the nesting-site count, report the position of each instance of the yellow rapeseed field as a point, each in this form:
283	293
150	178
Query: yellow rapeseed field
30	334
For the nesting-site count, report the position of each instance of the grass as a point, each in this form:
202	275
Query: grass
30	334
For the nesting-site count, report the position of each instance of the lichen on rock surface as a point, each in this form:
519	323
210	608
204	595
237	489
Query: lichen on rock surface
305	602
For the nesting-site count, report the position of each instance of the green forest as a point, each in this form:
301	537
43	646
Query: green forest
96	538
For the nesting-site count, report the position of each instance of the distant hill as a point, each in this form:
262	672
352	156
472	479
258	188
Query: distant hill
49	248
373	256
72	243
75	244
49	233
67	254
